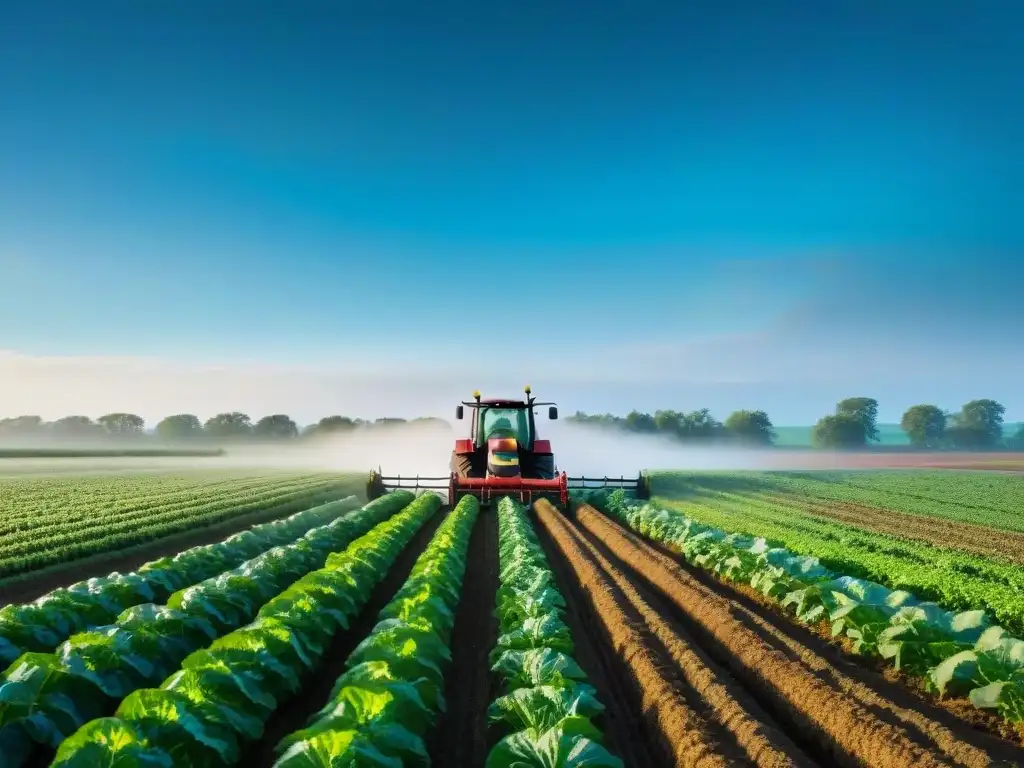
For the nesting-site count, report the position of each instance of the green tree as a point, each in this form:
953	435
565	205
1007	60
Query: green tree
865	410
75	427
636	421
181	426
228	425
840	430
978	425
277	427
700	425
751	427
122	424
1017	441
668	422
925	425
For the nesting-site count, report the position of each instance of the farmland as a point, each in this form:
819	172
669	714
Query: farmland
739	618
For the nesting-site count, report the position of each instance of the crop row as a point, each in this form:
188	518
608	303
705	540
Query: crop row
221	698
957	580
49	620
954	653
45	697
977	498
80	529
546	704
392	690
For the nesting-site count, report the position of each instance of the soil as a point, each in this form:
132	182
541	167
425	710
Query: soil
803	687
460	736
622	723
23	589
732	708
939	532
669	717
294	714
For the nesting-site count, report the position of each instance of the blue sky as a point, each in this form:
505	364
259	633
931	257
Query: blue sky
631	204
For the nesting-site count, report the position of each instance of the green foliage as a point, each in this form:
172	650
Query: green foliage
276	427
122	424
392	690
979	424
752	427
148	642
864	410
547	705
182	426
841	430
925	425
51	520
228	425
953	652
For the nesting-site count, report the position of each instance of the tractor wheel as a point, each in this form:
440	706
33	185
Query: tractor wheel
461	465
544	466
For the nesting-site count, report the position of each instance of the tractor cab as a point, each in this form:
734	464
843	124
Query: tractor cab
502	439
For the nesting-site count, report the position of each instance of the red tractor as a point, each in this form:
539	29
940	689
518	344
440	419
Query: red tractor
503	456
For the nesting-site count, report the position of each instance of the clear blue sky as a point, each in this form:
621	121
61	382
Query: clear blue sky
293	183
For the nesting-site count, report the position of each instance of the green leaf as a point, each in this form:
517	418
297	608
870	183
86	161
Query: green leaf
547	631
186	731
956	674
46	700
539	666
111	743
572	743
543	706
331	749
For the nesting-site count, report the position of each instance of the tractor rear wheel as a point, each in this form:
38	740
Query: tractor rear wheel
544	466
462	464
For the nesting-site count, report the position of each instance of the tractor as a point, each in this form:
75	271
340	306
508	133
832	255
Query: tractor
503	456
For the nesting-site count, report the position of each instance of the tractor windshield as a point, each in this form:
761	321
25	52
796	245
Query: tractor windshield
505	422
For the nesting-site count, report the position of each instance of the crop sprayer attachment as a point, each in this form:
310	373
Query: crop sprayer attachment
504	457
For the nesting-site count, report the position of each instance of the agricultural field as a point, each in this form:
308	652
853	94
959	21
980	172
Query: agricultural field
759	619
92	524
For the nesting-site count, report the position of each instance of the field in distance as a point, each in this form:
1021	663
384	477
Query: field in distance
54	523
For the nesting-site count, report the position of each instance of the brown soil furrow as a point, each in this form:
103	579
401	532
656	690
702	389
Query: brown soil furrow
732	707
855	734
939	532
623	724
460	736
683	733
294	713
955	727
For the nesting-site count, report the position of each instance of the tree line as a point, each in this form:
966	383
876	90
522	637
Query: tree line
978	425
854	424
185	427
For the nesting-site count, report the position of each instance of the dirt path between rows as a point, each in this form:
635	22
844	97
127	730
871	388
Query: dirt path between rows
732	708
846	718
682	731
937	531
460	736
622	722
294	714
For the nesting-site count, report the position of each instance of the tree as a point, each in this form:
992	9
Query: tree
925	425
751	427
978	425
840	430
668	422
700	425
181	426
276	427
865	410
75	426
123	424
21	426
229	425
640	422
1017	441
331	424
